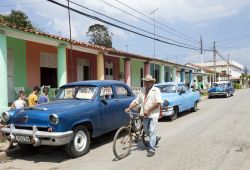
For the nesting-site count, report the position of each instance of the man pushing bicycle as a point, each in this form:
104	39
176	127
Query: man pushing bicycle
150	101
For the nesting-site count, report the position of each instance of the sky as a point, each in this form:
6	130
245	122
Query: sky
181	22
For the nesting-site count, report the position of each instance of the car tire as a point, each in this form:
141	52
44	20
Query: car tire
174	116
80	142
195	108
227	95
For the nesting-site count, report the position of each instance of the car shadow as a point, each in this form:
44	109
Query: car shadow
54	154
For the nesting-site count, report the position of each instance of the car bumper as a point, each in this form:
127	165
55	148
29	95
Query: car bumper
169	111
217	93
37	137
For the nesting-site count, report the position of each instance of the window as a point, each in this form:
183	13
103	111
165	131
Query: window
83	92
122	92
106	93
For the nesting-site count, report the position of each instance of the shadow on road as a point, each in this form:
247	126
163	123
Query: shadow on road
50	153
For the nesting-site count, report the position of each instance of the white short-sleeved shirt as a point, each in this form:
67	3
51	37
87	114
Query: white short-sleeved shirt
154	96
20	104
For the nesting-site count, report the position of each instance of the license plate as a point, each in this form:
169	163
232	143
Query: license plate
23	139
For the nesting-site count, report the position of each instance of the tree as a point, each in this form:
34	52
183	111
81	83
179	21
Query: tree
17	18
245	70
99	35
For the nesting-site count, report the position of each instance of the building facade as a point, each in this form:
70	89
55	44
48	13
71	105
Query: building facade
29	58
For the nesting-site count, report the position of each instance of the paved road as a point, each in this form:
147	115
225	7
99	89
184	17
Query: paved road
217	137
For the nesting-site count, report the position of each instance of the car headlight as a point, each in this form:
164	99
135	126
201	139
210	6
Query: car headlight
165	103
54	119
6	116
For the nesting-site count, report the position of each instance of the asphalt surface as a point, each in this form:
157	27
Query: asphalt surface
216	137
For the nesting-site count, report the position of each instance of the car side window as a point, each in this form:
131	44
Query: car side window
122	92
106	93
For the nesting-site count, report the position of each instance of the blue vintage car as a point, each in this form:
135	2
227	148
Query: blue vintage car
177	98
223	88
81	111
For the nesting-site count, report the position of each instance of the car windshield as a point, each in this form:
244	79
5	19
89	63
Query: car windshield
168	88
219	84
79	92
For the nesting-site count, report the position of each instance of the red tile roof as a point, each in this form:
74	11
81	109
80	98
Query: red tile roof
111	51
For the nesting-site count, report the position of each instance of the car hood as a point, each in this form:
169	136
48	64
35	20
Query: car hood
39	115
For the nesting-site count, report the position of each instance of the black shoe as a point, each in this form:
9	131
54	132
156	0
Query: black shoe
150	154
158	138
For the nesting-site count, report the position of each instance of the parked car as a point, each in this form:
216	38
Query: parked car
81	110
223	88
177	98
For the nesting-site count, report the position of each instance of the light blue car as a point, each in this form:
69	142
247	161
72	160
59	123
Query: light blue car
177	98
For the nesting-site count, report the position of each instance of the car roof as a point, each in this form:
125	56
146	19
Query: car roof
94	83
169	83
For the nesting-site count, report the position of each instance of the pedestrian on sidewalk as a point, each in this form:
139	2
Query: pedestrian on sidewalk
150	101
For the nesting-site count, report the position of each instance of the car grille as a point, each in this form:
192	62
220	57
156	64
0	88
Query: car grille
45	129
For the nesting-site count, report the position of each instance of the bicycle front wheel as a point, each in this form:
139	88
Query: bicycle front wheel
122	142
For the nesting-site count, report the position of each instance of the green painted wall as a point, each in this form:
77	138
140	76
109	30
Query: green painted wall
122	66
136	73
19	61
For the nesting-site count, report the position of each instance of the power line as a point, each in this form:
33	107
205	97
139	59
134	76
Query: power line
156	21
146	21
130	24
117	26
235	38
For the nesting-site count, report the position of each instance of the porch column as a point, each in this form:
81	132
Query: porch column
168	74
162	71
3	73
190	77
183	75
174	74
127	71
100	67
146	68
61	65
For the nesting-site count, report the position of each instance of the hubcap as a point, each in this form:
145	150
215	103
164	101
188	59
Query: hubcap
80	141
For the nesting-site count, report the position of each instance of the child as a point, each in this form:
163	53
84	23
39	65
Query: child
32	99
44	97
20	103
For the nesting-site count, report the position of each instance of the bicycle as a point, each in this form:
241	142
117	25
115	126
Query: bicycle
124	136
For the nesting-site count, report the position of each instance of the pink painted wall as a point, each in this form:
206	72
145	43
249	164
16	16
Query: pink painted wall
33	51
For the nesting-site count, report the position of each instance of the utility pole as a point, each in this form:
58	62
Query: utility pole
201	49
153	12
70	39
228	65
127	47
214	50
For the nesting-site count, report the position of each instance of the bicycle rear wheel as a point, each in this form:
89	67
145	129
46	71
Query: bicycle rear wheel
122	142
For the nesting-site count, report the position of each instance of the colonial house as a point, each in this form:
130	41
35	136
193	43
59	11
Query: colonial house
30	58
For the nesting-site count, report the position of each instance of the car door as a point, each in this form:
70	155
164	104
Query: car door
124	98
182	99
111	116
190	98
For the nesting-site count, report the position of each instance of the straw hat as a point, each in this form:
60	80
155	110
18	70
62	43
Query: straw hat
148	77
